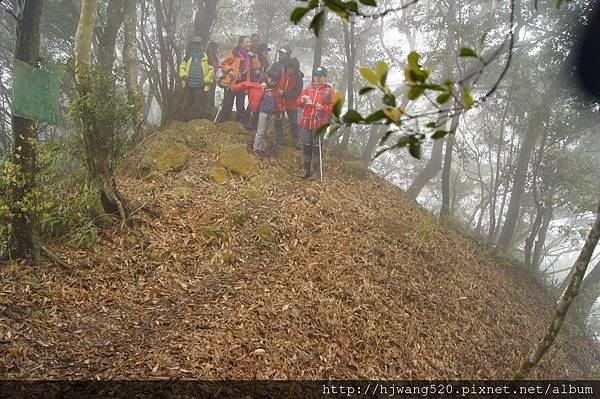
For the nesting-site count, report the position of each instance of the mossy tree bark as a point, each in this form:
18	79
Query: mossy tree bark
25	233
566	300
205	18
97	137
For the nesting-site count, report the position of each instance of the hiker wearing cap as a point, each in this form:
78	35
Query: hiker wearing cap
283	56
317	102
239	65
255	40
213	60
290	85
196	78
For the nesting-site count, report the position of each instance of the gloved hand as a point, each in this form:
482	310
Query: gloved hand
306	99
318	106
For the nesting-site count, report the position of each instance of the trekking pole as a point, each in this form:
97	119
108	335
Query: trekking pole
320	159
221	106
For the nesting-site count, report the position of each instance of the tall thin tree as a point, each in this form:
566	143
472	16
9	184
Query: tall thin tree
27	50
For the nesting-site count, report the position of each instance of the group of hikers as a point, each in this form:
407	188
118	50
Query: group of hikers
274	91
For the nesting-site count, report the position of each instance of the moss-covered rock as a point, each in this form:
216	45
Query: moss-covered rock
179	192
218	143
218	175
253	194
236	159
239	216
157	256
261	181
202	126
265	232
173	159
162	157
356	169
232	128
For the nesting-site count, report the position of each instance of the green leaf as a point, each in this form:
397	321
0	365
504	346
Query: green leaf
365	90
415	149
370	76
467	52
297	14
467	99
317	22
431	125
442	98
371	3
337	108
389	99
439	134
415	92
559	3
352	6
381	68
383	79
413	59
375	116
352	117
321	130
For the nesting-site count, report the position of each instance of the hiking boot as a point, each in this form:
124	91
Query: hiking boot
306	173
259	153
316	176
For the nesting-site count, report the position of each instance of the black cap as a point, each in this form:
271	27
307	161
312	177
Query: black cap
286	50
322	71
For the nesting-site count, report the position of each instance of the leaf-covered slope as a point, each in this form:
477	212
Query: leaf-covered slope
268	276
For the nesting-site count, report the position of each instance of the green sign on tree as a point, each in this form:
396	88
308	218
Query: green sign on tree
35	93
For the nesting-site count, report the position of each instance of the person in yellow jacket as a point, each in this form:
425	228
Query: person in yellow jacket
196	78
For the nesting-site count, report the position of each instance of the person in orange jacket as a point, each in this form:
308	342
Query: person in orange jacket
317	102
240	64
291	85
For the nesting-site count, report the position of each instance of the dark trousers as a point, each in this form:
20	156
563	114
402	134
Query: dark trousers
194	103
252	122
310	151
293	118
240	99
211	95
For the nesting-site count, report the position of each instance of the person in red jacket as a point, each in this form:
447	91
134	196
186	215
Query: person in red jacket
291	85
255	92
317	102
266	100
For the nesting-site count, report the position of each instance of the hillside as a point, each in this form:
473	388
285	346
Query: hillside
262	275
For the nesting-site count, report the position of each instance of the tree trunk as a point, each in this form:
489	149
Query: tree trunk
590	290
25	231
434	165
445	211
540	243
130	55
98	139
205	18
319	43
565	302
375	135
350	47
108	39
